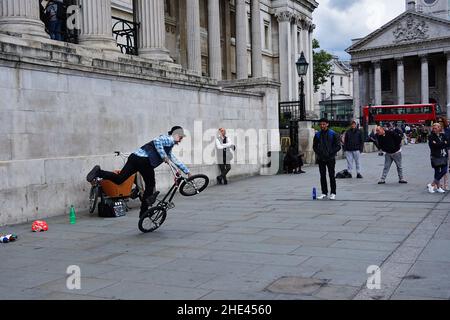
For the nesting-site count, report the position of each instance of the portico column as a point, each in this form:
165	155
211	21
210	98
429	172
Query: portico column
284	39
425	91
152	31
193	36
256	40
294	58
377	80
96	25
311	67
241	40
356	91
21	17
215	56
400	82
448	85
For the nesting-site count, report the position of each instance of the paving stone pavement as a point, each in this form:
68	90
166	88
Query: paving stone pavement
239	241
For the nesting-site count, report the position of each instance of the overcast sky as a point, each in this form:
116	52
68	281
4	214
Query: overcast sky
339	21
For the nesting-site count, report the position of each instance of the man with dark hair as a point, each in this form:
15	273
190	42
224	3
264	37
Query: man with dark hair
326	146
144	161
353	146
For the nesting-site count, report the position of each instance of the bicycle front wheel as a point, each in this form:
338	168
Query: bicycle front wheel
93	198
152	219
194	185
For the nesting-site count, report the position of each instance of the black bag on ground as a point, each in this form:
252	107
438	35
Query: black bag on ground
344	174
112	208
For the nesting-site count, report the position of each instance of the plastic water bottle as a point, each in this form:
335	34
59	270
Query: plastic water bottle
72	216
314	194
4	239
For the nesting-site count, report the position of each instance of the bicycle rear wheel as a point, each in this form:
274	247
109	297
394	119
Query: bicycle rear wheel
93	198
194	185
152	219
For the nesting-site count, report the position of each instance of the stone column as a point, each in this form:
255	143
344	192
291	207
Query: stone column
448	85
96	25
215	56
152	31
311	67
294	57
356	91
193	36
21	17
284	39
400	81
371	78
425	91
377	82
241	40
256	40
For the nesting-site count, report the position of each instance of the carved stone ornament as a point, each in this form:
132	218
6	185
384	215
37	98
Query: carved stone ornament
284	16
413	29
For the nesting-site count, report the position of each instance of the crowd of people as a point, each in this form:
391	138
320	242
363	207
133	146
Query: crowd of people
389	140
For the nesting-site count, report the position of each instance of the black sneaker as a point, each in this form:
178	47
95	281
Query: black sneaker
403	181
93	174
381	182
225	181
359	176
219	180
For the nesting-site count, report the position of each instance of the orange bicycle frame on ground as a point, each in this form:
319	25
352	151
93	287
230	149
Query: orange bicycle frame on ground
113	190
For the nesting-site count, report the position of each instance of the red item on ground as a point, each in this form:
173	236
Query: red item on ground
39	226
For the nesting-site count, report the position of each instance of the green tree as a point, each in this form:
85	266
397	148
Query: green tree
322	66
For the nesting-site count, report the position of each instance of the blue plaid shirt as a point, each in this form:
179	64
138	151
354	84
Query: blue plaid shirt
161	142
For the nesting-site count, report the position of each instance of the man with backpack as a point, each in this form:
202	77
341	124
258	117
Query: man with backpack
55	13
326	145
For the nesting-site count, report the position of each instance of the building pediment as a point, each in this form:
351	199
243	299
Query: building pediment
409	27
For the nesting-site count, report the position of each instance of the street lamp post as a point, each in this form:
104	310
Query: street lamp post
332	84
302	69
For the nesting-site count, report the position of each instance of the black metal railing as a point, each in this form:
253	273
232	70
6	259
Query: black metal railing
126	34
291	111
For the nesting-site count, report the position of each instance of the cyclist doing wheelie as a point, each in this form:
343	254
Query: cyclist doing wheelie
144	161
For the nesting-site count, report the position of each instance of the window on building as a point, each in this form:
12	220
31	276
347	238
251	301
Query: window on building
323	95
386	80
299	41
249	31
266	34
342	81
432	76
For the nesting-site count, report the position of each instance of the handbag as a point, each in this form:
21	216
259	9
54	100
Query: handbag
439	162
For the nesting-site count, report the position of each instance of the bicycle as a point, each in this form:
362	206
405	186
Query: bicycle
108	190
155	216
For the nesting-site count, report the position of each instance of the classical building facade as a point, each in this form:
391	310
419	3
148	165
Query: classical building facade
405	61
334	98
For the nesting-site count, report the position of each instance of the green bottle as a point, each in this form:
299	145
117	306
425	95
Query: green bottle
72	216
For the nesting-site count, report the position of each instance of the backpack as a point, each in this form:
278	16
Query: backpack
112	208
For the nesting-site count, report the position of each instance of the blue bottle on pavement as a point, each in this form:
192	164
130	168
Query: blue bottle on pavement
314	194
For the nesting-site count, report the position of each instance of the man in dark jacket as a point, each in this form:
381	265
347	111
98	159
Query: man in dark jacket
353	147
390	142
326	146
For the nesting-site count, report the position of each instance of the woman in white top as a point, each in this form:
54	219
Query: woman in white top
224	155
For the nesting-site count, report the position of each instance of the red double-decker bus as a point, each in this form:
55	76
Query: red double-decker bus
407	113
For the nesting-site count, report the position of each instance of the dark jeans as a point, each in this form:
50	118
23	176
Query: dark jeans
439	173
133	165
224	169
323	165
55	29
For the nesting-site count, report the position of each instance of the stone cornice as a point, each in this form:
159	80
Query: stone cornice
75	59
